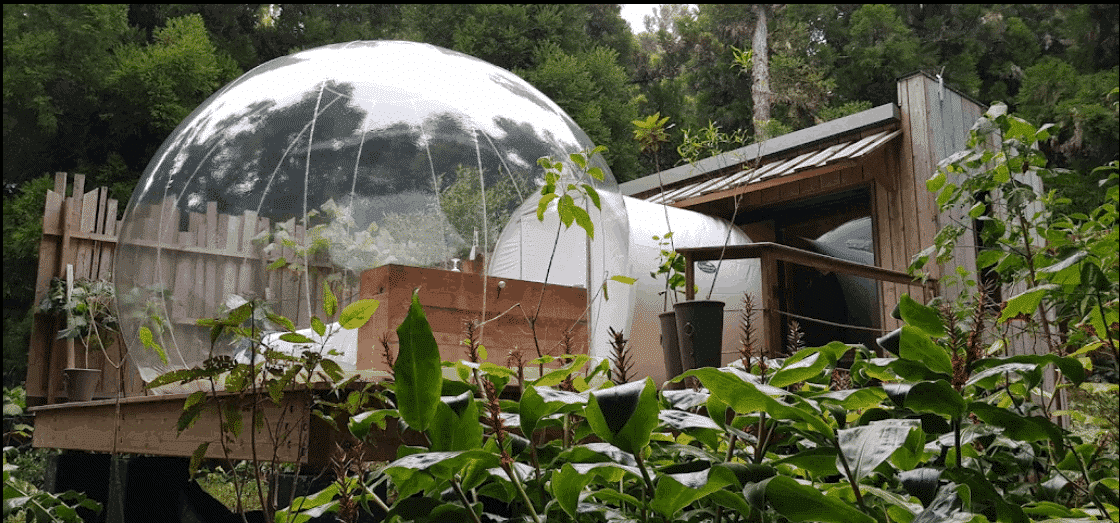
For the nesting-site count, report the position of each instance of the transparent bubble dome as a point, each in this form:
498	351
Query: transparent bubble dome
314	167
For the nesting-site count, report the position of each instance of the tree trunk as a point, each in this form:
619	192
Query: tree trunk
760	74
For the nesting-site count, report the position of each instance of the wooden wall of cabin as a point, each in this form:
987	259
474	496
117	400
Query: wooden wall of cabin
935	121
891	204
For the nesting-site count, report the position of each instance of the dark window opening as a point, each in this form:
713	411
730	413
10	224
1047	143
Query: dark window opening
838	225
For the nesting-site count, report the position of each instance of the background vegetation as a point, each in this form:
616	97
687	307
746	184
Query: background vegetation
97	88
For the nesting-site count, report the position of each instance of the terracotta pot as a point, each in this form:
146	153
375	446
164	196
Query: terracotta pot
81	383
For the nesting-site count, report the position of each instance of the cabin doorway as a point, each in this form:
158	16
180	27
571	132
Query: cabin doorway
823	306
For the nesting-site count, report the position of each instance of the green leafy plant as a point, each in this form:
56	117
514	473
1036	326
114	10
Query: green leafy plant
89	310
1065	265
670	267
269	375
24	501
708	141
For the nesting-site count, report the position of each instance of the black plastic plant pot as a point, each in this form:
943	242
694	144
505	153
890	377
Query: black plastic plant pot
700	333
670	348
889	342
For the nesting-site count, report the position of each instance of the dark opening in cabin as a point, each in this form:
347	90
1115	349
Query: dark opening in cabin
825	306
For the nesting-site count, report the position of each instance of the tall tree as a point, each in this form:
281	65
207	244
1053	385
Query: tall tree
881	48
57	58
760	72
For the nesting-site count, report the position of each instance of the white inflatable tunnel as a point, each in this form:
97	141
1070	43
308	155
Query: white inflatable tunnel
523	252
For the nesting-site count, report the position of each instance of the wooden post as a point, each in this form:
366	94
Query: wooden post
689	277
771	322
71	353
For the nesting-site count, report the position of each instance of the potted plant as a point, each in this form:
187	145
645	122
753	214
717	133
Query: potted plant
692	324
90	321
670	267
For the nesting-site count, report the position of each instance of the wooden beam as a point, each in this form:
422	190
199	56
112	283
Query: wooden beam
771	322
770	254
148	425
793	255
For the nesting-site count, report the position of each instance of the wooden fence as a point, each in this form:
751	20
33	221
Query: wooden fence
78	230
199	268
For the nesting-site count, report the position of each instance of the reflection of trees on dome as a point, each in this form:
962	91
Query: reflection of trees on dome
227	164
462	202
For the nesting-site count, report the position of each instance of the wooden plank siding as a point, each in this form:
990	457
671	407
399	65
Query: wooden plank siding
938	120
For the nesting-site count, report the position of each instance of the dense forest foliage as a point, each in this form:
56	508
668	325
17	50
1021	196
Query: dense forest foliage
97	88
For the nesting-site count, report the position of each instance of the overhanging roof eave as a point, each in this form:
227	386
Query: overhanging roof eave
871	118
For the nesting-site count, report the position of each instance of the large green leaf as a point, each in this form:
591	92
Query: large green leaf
945	508
567	484
745	397
442	465
557	376
868	446
1022	428
361	424
801	502
700	427
531	409
988	378
417	369
808	363
921	483
921	316
1025	302
937	397
915	345
677	491
985	494
853	399
1070	366
455	425
624	415
817	462
358	313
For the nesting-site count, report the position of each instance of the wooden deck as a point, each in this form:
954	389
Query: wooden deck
148	425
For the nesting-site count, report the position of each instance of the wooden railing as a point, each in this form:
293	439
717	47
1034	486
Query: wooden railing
769	254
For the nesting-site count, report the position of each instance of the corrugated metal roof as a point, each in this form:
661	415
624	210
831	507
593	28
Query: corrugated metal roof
842	152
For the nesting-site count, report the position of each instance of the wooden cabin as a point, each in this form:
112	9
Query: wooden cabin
786	191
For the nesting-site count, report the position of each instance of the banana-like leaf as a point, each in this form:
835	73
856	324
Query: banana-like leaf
455	425
915	345
799	502
567	484
921	483
677	491
417	369
746	397
921	316
868	446
624	415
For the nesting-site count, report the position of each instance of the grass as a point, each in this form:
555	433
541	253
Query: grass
220	485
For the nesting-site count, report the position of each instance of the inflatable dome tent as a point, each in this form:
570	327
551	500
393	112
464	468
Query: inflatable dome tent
314	167
524	246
